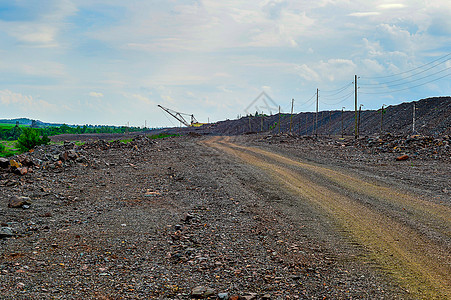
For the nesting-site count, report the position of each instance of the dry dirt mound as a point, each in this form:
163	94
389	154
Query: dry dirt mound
433	118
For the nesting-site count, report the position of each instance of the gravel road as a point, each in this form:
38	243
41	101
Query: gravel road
381	218
235	218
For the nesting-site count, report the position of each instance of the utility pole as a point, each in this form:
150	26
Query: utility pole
261	127
145	124
279	120
291	116
358	127
342	133
316	116
382	117
413	121
356	130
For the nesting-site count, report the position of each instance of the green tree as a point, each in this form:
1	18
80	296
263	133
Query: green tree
14	133
30	139
45	140
65	129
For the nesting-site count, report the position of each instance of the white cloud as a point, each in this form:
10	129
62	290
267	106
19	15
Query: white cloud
141	98
96	94
364	14
307	73
324	71
391	5
372	65
39	35
41	28
20	103
8	97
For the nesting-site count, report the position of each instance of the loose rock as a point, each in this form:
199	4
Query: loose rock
402	157
17	202
6	232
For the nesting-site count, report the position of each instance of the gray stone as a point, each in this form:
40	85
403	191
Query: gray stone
6	232
198	291
223	296
16	201
209	292
249	296
202	292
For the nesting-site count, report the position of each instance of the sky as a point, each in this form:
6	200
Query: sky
112	62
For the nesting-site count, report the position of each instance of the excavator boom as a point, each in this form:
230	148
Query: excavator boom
180	118
175	114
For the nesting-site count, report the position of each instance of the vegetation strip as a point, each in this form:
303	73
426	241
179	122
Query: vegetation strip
399	250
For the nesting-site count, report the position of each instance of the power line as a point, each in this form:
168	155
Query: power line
329	96
169	119
339	98
407	87
403	83
339	102
408	76
408	71
339	89
308	102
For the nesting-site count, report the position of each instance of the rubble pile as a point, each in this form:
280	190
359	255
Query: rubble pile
136	142
421	147
58	157
414	146
53	157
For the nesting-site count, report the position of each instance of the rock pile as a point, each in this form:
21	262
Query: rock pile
415	146
43	157
57	157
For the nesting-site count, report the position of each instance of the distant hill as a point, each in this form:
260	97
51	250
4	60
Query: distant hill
28	122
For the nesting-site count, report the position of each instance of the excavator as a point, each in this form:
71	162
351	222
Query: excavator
181	119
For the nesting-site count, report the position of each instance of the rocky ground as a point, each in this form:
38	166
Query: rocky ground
421	163
174	219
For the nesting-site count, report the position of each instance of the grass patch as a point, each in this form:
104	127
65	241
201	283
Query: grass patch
162	136
8	148
9	126
125	141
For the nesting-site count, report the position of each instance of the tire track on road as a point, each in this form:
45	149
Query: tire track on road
416	262
433	214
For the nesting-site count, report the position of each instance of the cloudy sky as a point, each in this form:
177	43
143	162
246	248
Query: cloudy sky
112	62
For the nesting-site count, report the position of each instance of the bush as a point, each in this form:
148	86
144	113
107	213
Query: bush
2	148
45	139
30	139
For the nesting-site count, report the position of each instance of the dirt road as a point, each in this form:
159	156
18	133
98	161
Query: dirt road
385	221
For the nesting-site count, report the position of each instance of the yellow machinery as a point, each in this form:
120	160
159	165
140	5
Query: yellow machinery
181	119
